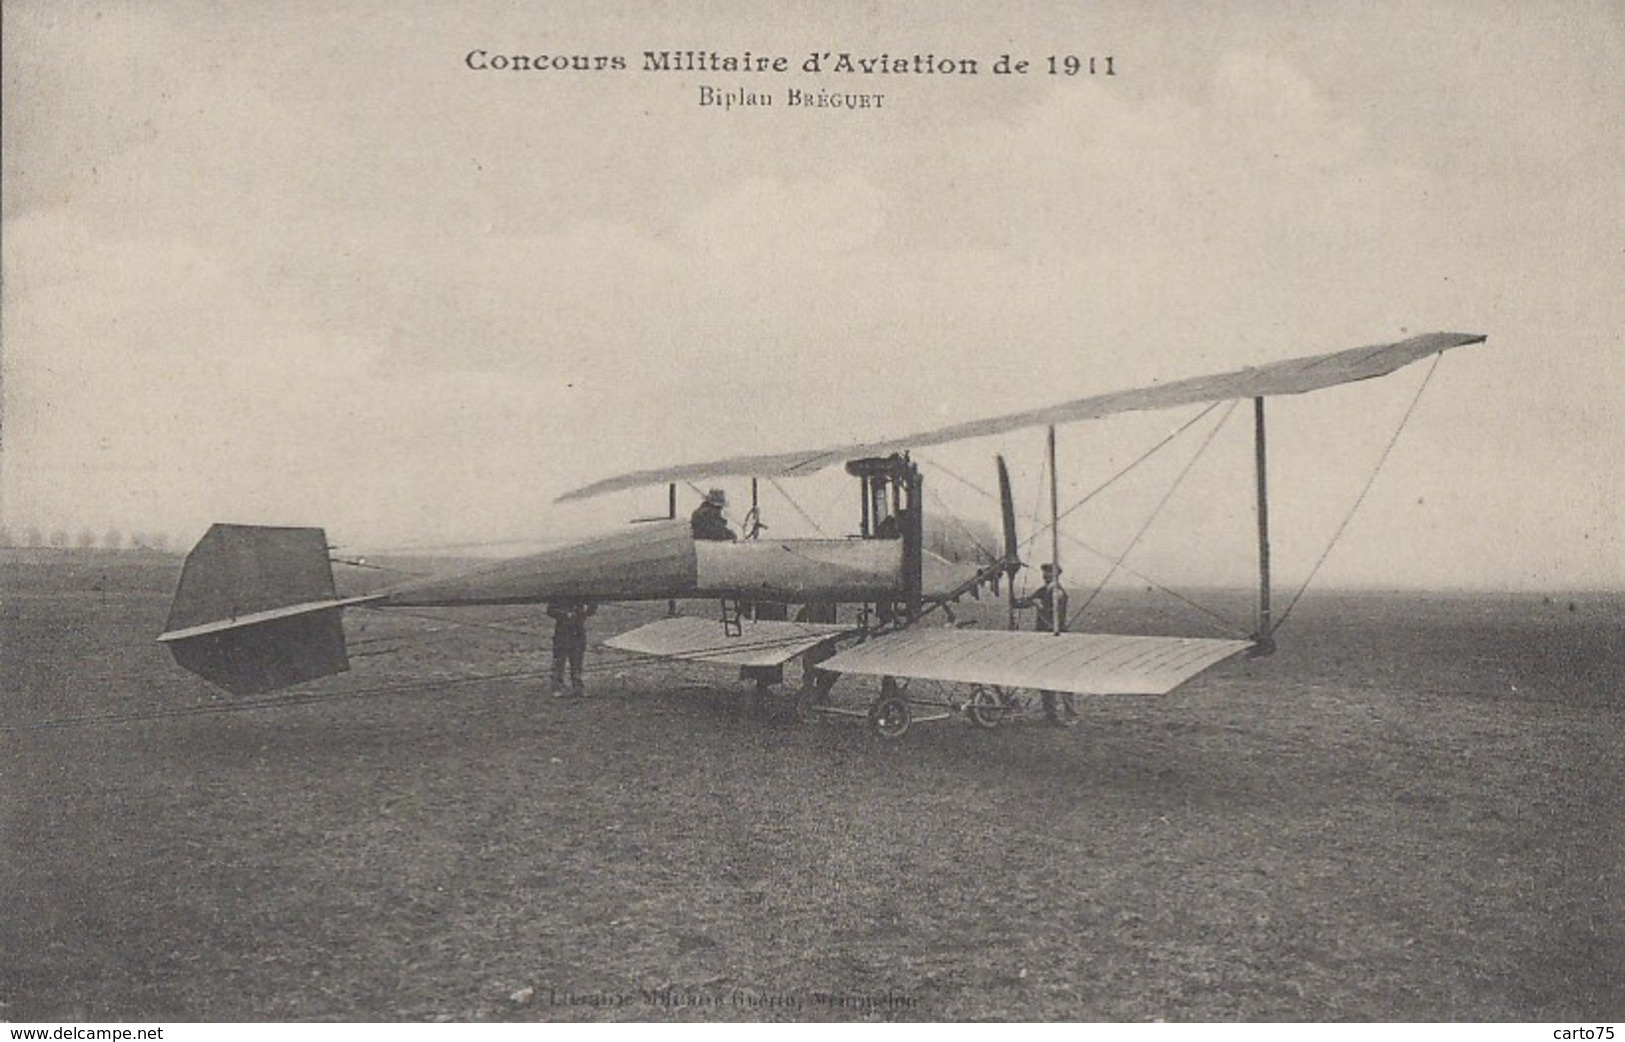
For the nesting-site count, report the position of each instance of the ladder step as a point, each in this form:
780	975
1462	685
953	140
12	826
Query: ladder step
732	618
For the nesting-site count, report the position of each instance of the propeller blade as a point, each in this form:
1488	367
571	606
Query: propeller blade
1007	508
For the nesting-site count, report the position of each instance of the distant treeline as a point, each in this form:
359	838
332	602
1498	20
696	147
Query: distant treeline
953	538
84	539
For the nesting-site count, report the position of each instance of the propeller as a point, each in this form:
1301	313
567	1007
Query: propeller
1012	559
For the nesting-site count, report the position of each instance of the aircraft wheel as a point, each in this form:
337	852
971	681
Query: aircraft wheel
891	716
985	708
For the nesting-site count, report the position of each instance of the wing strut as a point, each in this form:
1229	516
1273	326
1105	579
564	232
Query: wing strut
1264	641
1054	533
671	515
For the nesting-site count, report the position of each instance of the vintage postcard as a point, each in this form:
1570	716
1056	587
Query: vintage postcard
654	512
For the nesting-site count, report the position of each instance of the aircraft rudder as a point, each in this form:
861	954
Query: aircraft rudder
256	609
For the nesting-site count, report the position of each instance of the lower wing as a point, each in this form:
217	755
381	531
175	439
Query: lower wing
1080	663
758	644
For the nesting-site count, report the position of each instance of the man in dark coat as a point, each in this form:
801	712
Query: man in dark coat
1050	600
707	521
569	642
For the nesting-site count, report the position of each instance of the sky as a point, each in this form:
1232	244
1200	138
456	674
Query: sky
299	264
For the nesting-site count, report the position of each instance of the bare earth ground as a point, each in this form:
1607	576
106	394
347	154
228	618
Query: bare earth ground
1411	812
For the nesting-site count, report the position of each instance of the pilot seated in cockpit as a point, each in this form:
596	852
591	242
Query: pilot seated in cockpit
707	522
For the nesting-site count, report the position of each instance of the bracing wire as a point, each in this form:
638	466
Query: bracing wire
413	548
1224	621
1166	496
1104	485
774	482
979	490
1038	503
357	563
1360	499
964	528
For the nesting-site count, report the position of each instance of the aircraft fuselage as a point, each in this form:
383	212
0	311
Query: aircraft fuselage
662	560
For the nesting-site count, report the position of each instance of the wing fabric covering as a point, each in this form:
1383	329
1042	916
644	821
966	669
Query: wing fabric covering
256	609
759	644
1080	663
1292	376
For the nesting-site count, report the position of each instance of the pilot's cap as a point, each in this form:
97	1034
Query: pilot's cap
717	497
1049	569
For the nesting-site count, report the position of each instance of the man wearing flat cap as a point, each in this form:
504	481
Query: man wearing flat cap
1050	600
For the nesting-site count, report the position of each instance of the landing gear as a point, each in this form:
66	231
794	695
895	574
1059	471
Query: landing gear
891	717
890	713
986	707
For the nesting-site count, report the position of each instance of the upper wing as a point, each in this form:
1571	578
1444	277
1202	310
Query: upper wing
1293	376
761	643
1080	663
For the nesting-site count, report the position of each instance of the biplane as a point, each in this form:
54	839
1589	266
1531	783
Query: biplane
257	608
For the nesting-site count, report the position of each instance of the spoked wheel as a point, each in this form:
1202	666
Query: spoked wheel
986	707
891	717
891	714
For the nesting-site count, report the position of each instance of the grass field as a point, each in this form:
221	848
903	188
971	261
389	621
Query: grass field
1411	812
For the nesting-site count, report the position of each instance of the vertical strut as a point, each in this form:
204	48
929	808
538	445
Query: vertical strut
671	513
1262	637
1054	532
912	508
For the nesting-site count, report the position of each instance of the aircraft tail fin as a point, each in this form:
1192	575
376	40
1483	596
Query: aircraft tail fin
256	609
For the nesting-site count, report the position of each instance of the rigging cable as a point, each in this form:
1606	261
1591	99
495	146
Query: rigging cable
979	490
1147	454
986	552
1160	504
412	548
1038	503
1092	493
1226	623
1358	500
774	482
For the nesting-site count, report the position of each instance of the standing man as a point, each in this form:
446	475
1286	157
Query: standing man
707	521
1050	600
569	642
